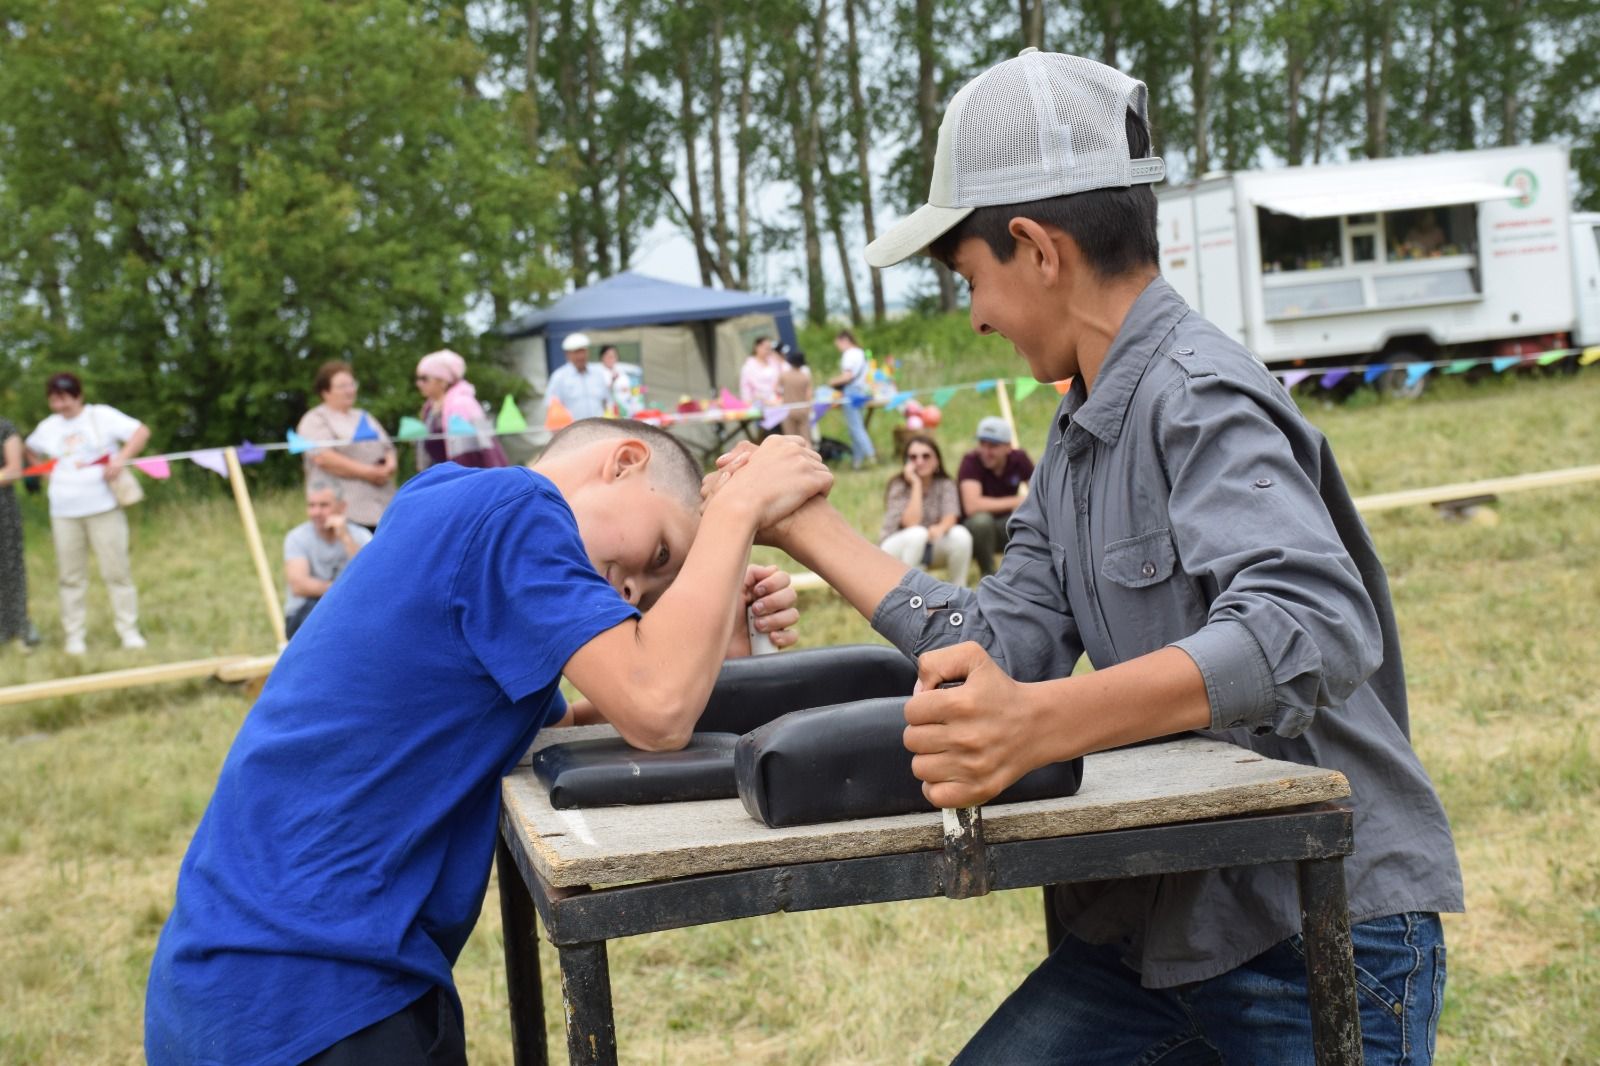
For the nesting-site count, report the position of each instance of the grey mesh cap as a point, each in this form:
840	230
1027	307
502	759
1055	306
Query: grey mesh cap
1043	124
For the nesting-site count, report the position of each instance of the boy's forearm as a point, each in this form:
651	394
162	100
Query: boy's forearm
821	540
680	667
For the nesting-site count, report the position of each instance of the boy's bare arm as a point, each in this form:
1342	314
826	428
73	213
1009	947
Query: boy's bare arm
651	678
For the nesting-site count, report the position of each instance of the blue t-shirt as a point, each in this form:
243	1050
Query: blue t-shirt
345	854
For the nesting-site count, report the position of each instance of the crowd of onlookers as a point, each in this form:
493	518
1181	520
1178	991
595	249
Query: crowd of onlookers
930	519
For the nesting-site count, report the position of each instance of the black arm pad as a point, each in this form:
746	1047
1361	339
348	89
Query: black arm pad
753	691
607	772
832	764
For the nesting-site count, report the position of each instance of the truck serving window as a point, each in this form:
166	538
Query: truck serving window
1432	232
1289	243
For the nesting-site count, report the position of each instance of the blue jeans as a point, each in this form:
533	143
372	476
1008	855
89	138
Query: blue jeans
1084	1006
861	450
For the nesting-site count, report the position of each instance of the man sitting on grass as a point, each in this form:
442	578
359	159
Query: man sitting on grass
316	552
344	856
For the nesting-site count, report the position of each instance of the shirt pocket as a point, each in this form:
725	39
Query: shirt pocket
1140	562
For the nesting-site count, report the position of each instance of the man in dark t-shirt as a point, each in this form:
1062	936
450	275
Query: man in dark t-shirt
992	480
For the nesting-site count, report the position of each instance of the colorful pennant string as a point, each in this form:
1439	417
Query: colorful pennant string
364	430
410	429
1374	372
510	419
212	459
556	415
39	469
944	395
248	453
1505	362
297	443
1332	378
460	427
1025	387
157	468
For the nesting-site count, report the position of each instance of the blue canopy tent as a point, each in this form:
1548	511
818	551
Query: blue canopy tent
631	300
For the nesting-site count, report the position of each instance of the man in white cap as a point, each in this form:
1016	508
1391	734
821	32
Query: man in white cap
1189	531
582	388
991	481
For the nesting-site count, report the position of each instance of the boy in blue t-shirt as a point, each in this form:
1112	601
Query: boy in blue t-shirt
344	856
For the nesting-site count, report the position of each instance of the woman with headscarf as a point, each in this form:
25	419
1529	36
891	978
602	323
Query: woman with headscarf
459	429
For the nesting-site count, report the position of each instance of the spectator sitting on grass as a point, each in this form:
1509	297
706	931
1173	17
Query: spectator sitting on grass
316	551
922	514
991	479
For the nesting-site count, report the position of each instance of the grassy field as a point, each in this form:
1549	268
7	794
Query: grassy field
99	795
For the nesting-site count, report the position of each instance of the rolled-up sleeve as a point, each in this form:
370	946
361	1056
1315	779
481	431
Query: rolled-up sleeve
1291	630
1019	615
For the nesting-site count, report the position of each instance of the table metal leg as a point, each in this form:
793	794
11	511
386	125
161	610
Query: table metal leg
1053	929
524	992
586	994
1330	963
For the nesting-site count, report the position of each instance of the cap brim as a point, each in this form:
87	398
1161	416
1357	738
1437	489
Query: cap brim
913	234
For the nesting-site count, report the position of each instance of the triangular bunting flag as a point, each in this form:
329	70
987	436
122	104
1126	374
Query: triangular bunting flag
858	401
460	427
1460	366
212	460
985	386
1551	357
1415	372
510	420
772	418
364	430
729	402
250	453
818	409
157	468
944	395
1332	378
1504	363
411	429
1374	372
1590	355
1025	387
556	415
1063	386
102	461
297	443
39	469
899	400
1294	377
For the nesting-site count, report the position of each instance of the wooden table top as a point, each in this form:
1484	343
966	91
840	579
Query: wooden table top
1182	780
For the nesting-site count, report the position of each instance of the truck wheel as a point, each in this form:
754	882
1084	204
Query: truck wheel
1393	382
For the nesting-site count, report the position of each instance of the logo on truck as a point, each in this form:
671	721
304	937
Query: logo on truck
1524	181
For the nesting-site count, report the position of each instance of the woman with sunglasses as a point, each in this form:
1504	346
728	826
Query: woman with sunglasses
91	443
459	429
922	514
362	470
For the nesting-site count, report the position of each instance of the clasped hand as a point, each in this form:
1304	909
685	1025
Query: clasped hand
971	741
779	476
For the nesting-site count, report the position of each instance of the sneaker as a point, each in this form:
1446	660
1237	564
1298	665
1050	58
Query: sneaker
133	642
75	646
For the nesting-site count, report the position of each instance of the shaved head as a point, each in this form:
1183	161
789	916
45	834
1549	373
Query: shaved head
673	466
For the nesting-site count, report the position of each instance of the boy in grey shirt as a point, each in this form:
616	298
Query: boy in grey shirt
316	551
1189	531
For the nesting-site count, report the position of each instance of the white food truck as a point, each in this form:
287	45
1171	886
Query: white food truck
1443	256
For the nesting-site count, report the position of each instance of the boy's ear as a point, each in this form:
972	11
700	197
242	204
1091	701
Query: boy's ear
1036	245
627	458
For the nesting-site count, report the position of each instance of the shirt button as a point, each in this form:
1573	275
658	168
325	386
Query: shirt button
955	618
916	601
1183	351
1263	482
1148	569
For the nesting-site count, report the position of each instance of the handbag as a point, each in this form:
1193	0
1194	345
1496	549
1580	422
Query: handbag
125	487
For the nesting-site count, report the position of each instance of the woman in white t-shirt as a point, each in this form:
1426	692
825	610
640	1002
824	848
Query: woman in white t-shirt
91	445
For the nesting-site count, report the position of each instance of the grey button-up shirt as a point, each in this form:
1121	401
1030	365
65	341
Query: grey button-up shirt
1187	502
